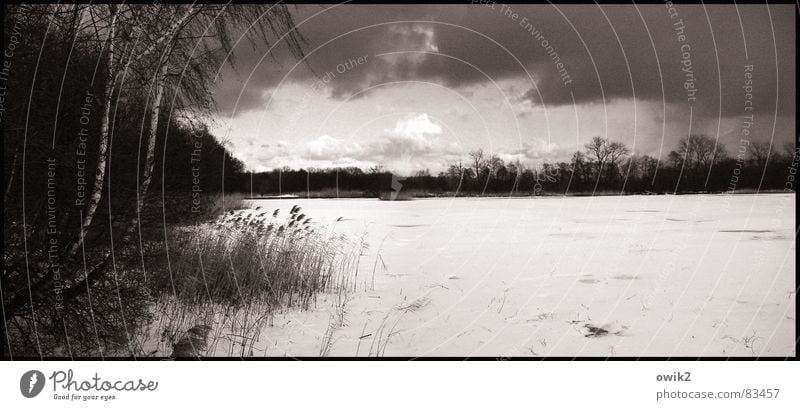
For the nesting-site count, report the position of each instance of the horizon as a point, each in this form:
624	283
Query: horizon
530	165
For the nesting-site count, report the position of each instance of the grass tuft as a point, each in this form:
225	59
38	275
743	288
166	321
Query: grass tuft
234	273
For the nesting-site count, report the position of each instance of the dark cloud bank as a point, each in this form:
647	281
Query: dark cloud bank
688	55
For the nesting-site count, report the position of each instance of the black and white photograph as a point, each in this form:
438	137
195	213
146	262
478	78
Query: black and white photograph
477	180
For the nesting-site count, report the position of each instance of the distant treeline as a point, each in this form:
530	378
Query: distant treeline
698	164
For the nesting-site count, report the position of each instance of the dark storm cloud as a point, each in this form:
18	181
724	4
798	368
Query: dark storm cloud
637	66
583	52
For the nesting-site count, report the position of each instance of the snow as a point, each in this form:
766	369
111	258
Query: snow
693	275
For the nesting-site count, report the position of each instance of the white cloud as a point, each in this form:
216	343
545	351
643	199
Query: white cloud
418	125
413	143
326	147
413	136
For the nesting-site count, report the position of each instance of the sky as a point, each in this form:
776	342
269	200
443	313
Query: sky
414	87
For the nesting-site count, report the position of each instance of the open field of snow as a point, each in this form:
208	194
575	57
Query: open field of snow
694	275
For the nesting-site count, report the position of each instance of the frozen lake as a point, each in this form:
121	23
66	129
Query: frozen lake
694	275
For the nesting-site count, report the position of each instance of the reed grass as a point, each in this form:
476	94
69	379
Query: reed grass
234	273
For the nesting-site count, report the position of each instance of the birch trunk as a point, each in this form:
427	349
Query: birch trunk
168	39
102	150
149	164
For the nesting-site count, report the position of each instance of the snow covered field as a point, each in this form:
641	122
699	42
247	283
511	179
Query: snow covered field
694	275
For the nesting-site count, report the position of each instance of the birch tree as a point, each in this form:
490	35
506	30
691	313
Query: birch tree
196	44
105	119
173	50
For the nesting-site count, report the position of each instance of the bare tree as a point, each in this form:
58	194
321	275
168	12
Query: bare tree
697	152
597	147
607	155
759	153
478	161
494	164
455	170
616	151
695	157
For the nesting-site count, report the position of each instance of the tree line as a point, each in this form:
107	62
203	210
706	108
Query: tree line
697	164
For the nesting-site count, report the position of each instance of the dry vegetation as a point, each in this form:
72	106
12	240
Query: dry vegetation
232	275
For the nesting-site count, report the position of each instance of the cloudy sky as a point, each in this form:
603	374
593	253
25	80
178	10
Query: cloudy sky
417	86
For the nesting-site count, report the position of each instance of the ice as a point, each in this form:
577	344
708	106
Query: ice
688	275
